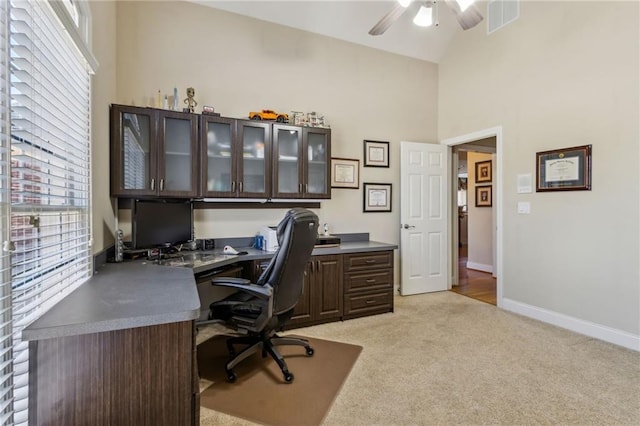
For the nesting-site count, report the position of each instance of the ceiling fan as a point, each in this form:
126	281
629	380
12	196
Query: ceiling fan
466	13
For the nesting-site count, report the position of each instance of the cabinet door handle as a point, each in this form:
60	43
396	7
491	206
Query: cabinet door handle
161	185
233	186
299	187
153	184
306	187
240	185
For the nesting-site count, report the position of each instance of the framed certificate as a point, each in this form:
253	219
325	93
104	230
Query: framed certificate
376	154
344	173
567	169
377	197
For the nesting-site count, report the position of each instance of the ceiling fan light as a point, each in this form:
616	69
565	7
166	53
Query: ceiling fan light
464	4
405	3
424	17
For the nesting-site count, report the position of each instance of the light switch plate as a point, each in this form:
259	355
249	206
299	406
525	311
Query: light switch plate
524	207
525	183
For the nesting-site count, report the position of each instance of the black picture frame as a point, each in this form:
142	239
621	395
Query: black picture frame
483	171
566	169
484	196
376	154
376	197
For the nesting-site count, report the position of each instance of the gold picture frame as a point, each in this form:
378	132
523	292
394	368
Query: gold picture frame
483	171
484	195
345	173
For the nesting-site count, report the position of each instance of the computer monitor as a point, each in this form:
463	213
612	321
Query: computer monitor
157	223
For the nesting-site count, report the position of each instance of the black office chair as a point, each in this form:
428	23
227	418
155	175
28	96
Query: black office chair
262	309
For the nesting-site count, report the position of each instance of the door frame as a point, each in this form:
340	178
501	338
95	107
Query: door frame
498	188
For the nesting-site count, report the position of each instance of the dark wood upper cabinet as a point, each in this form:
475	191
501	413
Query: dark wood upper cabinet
153	153
162	153
235	158
301	162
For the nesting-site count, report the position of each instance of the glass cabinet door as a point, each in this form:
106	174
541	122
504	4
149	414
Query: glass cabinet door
287	154
318	146
218	166
179	140
254	169
133	151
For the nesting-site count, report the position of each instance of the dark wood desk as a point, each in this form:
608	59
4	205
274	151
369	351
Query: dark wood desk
119	350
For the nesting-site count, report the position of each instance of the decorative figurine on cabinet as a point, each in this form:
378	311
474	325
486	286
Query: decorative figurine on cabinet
191	103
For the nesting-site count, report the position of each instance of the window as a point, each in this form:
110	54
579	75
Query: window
6	342
50	213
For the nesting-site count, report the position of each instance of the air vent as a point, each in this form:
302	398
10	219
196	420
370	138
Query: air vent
501	13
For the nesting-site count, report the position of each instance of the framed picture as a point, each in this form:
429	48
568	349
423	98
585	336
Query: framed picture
483	171
567	169
376	154
345	173
377	197
483	196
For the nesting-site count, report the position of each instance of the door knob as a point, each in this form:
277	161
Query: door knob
405	226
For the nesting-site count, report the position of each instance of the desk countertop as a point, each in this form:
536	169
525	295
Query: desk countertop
121	296
202	261
144	293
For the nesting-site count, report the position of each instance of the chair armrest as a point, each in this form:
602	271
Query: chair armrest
234	280
263	292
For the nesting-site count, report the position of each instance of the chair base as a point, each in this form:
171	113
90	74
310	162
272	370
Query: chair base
267	345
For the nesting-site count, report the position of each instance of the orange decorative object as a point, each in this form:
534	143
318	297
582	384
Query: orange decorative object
269	114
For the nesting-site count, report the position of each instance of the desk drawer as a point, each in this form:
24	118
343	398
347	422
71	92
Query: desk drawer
374	280
369	303
366	261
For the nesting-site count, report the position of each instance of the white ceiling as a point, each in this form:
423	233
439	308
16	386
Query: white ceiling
351	20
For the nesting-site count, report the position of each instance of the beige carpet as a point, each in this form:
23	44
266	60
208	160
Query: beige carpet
260	393
445	359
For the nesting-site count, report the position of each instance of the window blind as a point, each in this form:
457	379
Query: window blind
6	342
50	173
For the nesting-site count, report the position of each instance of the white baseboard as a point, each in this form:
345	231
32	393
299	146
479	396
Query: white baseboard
591	329
480	267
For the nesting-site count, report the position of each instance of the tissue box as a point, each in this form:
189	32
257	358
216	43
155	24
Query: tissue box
270	242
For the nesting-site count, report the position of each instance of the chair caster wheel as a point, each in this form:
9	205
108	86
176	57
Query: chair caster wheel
310	351
231	376
288	377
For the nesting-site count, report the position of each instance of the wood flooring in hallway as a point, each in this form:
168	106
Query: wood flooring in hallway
475	284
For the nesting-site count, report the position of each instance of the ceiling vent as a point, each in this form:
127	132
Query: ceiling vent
501	13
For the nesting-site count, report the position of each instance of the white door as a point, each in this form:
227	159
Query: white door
423	217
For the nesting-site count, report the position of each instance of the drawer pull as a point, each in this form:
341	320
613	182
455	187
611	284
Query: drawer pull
370	280
370	261
369	302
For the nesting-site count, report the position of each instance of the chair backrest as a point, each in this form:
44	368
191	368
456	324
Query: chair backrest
297	233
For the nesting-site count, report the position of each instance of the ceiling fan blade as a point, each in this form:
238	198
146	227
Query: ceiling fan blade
467	19
387	20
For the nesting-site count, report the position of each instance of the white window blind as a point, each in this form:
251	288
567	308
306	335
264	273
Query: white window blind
50	173
6	342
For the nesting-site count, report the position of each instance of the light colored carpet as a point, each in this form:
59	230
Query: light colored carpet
443	358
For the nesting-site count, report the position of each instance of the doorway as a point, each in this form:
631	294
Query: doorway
475	278
475	220
471	274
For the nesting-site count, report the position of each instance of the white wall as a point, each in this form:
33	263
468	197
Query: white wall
479	220
564	74
103	88
238	64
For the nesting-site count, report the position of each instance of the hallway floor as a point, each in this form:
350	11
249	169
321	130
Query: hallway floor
475	284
